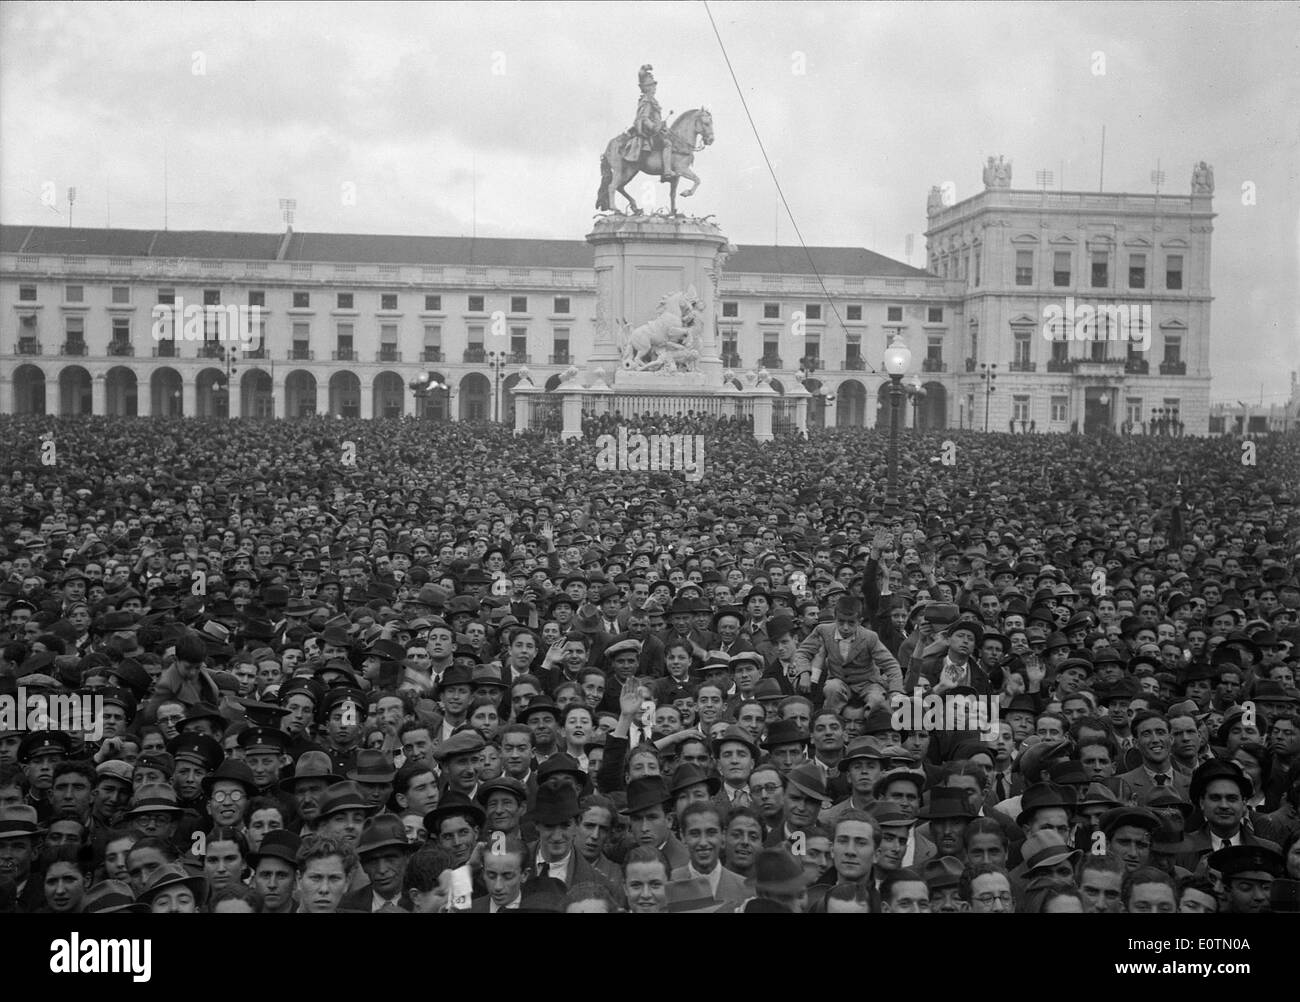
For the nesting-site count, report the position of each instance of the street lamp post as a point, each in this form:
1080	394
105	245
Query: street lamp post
496	360
897	359
988	373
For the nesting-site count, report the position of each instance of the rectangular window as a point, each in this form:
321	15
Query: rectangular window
388	334
1020	407
894	314
812	311
257	297
1022	347
934	351
76	328
1024	267
433	335
344	300
771	311
302	300
730	309
1133	410
211	297
560	346
853	350
302	332
977	269
1060	351
1137	271
1061	269
771	347
1174	271
854	312
1173	349
518	304
561	305
121	329
388	300
167	297
1097	350
1060	409
27	293
74	294
476	337
121	295
518	340
1100	269
812	348
476	304
934	314
433	303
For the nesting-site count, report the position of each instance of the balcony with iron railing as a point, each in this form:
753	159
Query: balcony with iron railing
1060	365
301	355
29	346
855	364
431	355
77	348
933	365
811	363
519	358
165	349
1173	368
770	362
210	349
970	365
256	352
388	355
344	355
475	355
1137	366
121	349
561	358
1023	367
731	359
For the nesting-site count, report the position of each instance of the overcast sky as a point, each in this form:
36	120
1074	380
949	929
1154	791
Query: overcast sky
429	111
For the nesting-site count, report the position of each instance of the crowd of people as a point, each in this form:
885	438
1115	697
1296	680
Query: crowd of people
394	666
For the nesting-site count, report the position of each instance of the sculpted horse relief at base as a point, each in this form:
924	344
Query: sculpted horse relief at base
669	342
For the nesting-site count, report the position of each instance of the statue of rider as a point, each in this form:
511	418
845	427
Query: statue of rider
650	126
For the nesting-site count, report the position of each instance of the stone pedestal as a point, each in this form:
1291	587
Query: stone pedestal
641	259
525	394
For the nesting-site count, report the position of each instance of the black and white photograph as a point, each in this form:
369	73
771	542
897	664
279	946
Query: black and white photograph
688	457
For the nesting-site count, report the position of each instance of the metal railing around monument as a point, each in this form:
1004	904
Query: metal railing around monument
672	404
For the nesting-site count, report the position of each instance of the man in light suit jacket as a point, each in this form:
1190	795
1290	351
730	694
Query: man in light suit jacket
856	661
702	831
1220	789
1151	733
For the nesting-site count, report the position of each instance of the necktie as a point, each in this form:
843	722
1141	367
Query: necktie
390	907
1161	779
742	798
544	870
1001	787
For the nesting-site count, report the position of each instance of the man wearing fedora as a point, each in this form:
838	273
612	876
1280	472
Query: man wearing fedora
275	871
648	803
20	837
383	851
556	815
1220	789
